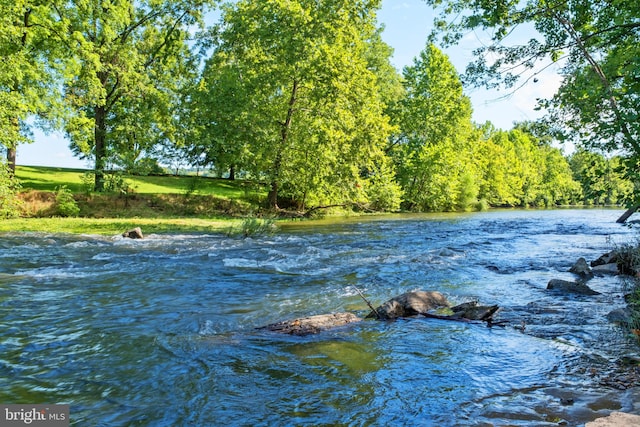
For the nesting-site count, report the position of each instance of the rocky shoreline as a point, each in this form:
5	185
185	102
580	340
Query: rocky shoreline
617	262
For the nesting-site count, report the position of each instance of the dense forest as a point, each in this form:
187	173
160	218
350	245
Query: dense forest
301	95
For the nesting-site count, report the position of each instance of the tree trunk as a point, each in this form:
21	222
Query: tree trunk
232	173
11	160
625	216
11	151
272	198
100	148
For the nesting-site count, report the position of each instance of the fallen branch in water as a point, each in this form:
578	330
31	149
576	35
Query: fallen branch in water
368	303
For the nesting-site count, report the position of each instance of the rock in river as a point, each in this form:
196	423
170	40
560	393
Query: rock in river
135	233
623	316
616	419
473	311
565	286
582	269
606	269
406	305
409	304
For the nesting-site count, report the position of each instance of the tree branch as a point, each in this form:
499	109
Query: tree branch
603	78
166	39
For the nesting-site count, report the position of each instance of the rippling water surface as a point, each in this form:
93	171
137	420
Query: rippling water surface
161	331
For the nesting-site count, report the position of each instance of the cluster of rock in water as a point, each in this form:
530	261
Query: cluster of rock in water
426	303
435	305
609	263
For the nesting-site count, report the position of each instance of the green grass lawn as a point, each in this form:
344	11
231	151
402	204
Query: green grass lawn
115	226
49	179
185	184
158	204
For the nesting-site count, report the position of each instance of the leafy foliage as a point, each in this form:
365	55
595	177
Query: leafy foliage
628	260
596	42
66	205
29	93
519	170
252	227
445	162
602	180
9	187
288	97
299	97
129	61
432	149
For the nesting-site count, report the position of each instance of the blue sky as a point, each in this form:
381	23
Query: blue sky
407	24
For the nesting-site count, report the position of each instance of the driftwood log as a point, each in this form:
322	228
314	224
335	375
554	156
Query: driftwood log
312	324
410	304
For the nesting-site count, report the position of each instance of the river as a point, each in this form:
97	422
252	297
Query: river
162	331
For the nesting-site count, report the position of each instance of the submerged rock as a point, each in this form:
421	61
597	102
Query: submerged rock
312	324
409	304
565	286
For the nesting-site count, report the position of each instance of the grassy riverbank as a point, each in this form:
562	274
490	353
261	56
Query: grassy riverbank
158	204
114	226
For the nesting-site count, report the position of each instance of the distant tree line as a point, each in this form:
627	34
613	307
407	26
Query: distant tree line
301	96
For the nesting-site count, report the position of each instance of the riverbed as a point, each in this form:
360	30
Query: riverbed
162	331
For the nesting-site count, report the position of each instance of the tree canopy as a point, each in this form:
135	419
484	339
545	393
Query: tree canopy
300	97
433	148
289	96
29	90
597	43
128	60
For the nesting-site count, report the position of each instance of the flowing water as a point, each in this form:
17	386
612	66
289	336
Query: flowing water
162	331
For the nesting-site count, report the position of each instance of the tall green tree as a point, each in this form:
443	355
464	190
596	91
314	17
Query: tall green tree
28	84
288	97
433	149
501	173
125	57
558	186
601	178
599	44
518	169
